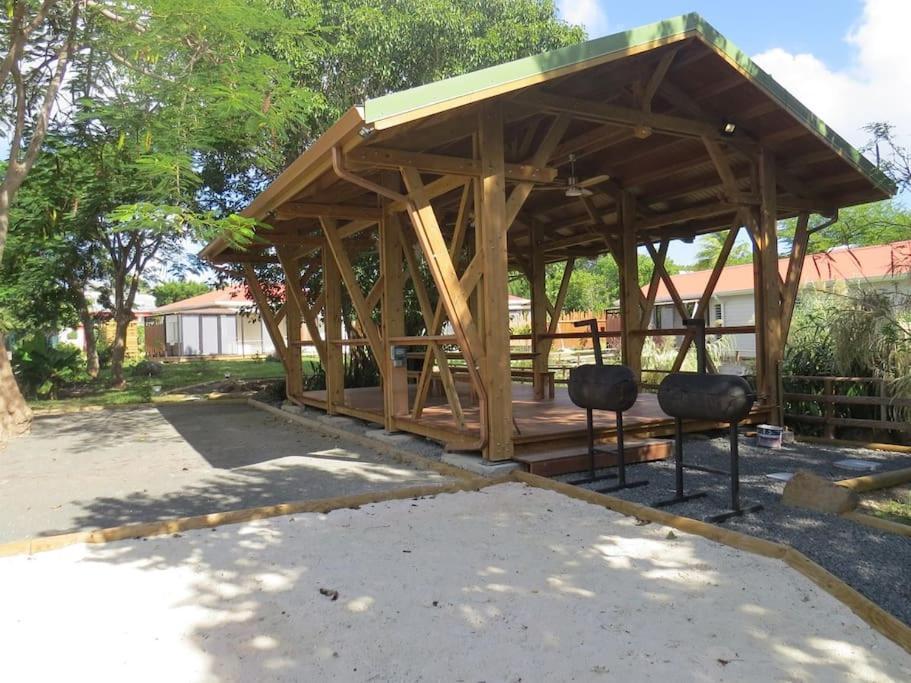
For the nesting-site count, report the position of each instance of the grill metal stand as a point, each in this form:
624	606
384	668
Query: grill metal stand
680	496
620	476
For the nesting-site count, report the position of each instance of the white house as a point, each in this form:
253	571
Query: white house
218	323
887	267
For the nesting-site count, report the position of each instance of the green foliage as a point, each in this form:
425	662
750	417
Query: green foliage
858	226
380	46
42	370
594	284
177	290
710	247
853	332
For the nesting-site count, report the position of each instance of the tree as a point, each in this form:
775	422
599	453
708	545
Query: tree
39	41
167	95
893	158
859	226
594	284
178	290
710	246
380	46
51	257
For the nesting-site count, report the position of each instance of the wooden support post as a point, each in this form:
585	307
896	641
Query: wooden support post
265	312
294	381
395	387
767	238
795	269
332	321
758	301
630	294
493	226
539	346
828	409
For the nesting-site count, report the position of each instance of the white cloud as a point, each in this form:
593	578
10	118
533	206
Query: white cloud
586	12
875	87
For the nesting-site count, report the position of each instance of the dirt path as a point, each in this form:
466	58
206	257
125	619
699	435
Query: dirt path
101	469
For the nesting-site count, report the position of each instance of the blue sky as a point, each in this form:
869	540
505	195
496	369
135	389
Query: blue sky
798	25
846	60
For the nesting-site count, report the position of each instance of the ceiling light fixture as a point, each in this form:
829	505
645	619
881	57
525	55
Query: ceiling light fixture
728	128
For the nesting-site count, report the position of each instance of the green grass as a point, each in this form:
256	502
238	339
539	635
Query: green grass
174	376
891	504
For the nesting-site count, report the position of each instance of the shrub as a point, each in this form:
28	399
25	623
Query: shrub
147	368
42	370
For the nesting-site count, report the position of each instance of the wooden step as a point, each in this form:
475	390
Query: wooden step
569	460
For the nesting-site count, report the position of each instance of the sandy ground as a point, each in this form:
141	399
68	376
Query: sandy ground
102	469
507	584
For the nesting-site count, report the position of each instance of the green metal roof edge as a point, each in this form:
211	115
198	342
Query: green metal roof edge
714	38
411	99
476	81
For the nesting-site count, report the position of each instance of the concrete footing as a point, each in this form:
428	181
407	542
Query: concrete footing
477	465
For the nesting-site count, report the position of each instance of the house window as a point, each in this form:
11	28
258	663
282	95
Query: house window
718	313
658	325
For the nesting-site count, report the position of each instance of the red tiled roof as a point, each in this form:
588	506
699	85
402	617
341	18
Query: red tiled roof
844	263
226	298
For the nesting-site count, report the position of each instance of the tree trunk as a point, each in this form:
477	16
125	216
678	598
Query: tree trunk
88	329
119	348
15	415
91	345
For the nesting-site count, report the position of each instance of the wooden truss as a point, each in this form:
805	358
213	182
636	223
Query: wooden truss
453	198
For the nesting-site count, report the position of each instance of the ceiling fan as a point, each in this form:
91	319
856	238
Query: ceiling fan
573	187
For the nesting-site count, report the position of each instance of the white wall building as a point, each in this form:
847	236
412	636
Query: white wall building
887	267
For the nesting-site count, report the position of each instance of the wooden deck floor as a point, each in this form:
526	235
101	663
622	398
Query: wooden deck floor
545	424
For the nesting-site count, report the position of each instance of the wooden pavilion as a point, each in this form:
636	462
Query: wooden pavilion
671	132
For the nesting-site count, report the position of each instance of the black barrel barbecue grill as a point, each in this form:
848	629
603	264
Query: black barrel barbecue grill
603	387
700	396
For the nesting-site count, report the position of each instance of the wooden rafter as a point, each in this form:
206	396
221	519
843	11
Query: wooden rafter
521	191
657	77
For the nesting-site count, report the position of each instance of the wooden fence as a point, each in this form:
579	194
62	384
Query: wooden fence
875	397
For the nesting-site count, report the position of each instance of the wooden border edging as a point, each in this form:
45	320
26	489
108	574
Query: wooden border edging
878	523
879	619
874	482
30	546
872	445
399	454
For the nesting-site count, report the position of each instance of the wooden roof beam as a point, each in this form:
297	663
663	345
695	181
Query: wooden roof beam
314	210
445	165
610	113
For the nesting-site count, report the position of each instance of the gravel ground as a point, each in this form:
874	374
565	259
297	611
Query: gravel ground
874	563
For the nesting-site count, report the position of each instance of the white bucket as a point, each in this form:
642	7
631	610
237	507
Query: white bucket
768	436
